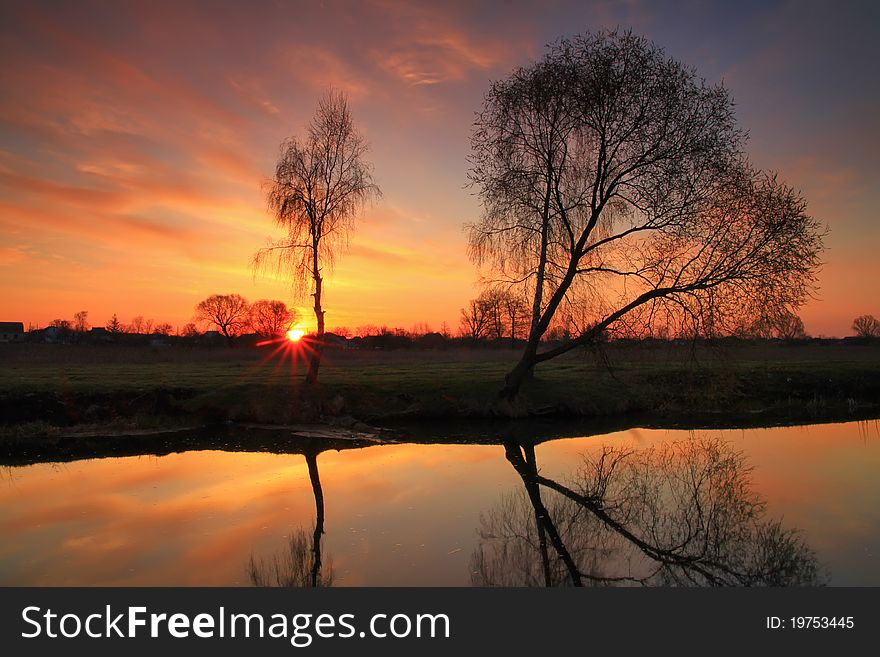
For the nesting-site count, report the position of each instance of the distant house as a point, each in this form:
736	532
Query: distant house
51	334
334	340
248	339
100	334
11	331
210	337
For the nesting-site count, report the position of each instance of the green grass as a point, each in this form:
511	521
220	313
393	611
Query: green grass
92	384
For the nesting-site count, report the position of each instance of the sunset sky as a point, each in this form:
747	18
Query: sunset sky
134	138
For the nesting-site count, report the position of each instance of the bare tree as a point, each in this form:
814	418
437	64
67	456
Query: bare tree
321	184
517	312
495	302
81	321
272	318
495	314
140	326
302	565
615	189
474	320
778	323
293	567
866	326
190	330
163	329
790	327
230	313
63	325
683	514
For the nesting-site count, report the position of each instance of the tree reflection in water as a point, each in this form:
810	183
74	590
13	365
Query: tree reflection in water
300	565
681	514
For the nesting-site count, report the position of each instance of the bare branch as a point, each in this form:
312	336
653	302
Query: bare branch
613	183
320	186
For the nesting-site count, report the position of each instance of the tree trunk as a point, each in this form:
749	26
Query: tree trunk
539	521
524	370
528	472
317	347
312	462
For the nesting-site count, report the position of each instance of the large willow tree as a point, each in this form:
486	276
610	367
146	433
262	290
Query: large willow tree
321	183
616	191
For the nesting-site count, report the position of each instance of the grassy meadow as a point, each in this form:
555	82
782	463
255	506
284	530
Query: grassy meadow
47	389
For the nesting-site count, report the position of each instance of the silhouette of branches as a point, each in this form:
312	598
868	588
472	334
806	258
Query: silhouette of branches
679	514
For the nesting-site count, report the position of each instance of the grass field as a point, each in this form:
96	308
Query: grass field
45	386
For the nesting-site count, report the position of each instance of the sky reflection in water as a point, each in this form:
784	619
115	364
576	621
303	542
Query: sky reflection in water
395	514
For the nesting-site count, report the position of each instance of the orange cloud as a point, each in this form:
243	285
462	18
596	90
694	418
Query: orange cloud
319	67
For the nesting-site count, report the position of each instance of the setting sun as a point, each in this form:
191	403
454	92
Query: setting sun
295	334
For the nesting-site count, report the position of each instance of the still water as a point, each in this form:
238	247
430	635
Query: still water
611	509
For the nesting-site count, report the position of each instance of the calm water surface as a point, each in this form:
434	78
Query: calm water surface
408	514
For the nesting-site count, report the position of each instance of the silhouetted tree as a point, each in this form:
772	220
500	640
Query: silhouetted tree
189	331
271	318
114	325
229	313
81	321
790	327
474	320
614	184
321	183
294	567
302	565
778	323
366	330
140	326
419	329
866	326
517	313
495	314
63	325
679	514
163	329
494	301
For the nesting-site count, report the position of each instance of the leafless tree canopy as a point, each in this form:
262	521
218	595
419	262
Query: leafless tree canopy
681	514
495	314
229	313
866	326
81	321
271	318
140	326
320	185
616	192
293	567
302	564
163	328
775	323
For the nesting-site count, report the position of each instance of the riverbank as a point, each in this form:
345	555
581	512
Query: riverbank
57	395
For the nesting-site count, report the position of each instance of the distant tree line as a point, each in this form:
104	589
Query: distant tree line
496	317
495	314
231	315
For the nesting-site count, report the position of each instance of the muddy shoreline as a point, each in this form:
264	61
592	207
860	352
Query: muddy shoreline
315	438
